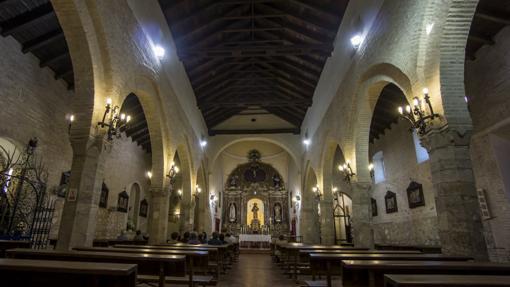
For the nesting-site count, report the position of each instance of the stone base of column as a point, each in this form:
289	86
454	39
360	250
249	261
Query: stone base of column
361	216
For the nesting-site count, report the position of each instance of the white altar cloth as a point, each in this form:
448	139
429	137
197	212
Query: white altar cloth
254	238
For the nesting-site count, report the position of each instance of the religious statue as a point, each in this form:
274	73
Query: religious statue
255	211
276	181
277	213
233	181
232	212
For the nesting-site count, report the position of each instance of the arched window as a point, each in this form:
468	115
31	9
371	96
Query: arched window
421	153
378	161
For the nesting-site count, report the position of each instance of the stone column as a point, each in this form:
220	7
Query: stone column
78	224
361	216
309	222
326	218
159	215
458	211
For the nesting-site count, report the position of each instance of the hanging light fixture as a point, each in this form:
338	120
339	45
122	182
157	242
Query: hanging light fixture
416	114
172	173
115	121
317	191
347	170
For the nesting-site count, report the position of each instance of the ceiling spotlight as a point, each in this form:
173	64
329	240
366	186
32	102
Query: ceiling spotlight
356	40
159	51
307	142
203	143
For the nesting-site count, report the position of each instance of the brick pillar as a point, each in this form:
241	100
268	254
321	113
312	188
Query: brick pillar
458	211
78	224
159	215
326	218
361	216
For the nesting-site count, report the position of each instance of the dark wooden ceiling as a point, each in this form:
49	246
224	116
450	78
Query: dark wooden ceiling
35	26
491	16
137	129
385	112
242	54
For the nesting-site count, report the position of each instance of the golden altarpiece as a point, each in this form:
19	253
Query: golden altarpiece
255	199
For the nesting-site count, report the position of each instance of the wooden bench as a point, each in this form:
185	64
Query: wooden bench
371	272
196	261
36	273
445	280
422	248
156	265
333	262
11	244
215	260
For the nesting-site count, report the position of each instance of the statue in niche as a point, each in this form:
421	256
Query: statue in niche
277	213
277	181
255	211
233	181
232	212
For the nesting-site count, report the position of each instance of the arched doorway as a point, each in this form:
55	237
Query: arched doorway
134	205
342	213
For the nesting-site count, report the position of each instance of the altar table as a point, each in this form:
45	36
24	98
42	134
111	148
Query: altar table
248	239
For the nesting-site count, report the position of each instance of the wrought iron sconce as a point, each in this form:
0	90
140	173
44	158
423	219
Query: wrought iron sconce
70	119
198	190
317	191
347	170
114	120
371	169
172	173
416	115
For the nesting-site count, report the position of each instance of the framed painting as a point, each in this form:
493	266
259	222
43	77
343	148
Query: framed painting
103	199
415	195
144	207
374	207
390	200
122	202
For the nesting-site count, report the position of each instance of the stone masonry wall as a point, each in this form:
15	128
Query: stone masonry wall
416	226
487	88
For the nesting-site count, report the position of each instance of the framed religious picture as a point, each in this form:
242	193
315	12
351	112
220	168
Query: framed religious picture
122	202
374	207
415	195
390	200
277	212
144	207
103	198
64	183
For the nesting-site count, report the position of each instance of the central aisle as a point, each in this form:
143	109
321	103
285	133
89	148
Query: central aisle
255	270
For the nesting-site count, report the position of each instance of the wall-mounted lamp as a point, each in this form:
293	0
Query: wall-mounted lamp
179	193
317	191
212	197
198	190
356	41
307	142
416	115
159	51
371	169
114	120
70	120
347	170
203	143
334	189
148	174
174	170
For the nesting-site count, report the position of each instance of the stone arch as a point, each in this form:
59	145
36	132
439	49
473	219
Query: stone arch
135	195
452	59
285	147
372	83
332	152
88	66
187	186
309	228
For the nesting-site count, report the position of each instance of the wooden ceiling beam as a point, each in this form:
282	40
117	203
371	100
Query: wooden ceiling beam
294	131
294	77
331	18
63	74
223	117
493	18
21	21
42	41
296	121
481	39
257	51
272	102
297	31
56	58
297	18
141	136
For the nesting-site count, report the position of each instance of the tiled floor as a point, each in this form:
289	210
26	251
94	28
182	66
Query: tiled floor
255	270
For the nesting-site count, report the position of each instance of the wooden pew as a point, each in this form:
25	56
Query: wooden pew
395	280
371	272
422	248
148	264
11	244
291	254
328	261
222	249
214	252
196	260
36	273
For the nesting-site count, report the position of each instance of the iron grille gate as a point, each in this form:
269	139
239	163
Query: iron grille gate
26	210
